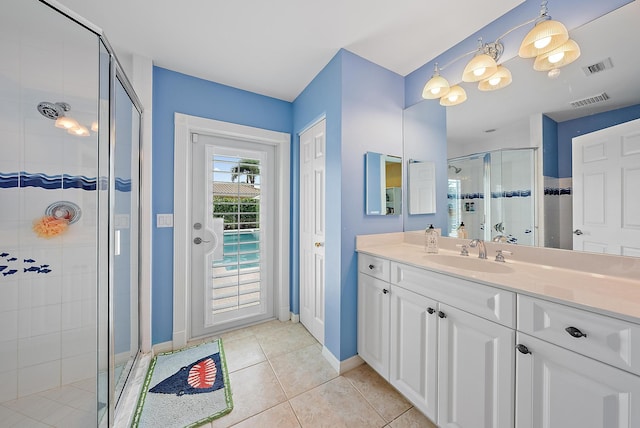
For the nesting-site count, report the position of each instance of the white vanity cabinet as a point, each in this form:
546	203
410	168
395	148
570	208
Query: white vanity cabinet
373	312
456	367
566	368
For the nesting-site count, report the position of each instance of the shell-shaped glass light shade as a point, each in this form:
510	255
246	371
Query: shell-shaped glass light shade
456	96
479	68
544	37
436	87
497	80
559	57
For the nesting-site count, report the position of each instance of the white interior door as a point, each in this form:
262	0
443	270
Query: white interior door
231	233
312	229
606	179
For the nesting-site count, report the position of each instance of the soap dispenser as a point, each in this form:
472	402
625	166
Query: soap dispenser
431	240
462	231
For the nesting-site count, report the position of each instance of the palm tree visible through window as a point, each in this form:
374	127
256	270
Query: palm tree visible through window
247	167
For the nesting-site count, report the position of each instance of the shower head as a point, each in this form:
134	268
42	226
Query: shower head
53	110
455	168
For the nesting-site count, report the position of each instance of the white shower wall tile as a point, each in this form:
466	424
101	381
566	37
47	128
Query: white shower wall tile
38	378
78	367
38	320
9	388
77	342
79	286
9	292
8	356
8	325
40	290
31	76
38	350
78	314
42	153
9	118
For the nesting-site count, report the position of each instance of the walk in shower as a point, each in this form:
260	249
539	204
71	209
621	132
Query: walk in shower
69	180
493	194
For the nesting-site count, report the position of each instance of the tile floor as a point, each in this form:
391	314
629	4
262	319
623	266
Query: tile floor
70	406
279	378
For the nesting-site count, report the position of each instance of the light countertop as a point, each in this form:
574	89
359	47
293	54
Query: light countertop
615	295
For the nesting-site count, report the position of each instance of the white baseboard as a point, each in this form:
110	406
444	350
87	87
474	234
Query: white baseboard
341	366
295	317
163	347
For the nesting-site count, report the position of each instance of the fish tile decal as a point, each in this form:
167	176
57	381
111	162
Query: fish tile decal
8	266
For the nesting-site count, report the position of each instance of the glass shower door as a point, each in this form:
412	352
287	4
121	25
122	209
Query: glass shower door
125	218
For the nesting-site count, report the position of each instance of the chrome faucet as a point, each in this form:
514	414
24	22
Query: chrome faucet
482	250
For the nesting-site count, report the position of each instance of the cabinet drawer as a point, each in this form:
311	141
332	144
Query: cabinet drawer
485	301
374	266
603	338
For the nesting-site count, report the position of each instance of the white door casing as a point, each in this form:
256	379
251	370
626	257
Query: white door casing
185	125
312	229
606	209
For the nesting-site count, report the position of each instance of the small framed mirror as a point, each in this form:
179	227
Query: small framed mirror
383	181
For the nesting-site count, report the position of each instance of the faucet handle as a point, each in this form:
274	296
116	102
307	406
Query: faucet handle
500	255
463	249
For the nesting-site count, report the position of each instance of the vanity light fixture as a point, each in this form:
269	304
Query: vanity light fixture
436	87
548	41
499	79
545	36
455	96
565	54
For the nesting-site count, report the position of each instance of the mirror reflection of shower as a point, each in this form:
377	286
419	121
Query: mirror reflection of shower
493	194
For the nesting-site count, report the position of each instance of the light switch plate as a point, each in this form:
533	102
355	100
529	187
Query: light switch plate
164	220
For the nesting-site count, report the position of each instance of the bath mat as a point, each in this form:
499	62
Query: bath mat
185	388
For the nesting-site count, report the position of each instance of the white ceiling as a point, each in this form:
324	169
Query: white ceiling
277	47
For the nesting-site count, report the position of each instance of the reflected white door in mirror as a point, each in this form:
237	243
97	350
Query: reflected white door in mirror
606	179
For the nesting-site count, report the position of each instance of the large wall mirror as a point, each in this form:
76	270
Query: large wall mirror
383	183
542	114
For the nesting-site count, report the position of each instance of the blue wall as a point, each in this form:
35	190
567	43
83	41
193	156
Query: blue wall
362	103
572	128
549	147
176	92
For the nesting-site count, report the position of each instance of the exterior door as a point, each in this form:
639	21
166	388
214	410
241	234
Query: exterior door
606	179
559	388
231	233
475	371
312	231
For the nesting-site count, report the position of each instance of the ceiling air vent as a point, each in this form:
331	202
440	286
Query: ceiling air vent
590	100
605	64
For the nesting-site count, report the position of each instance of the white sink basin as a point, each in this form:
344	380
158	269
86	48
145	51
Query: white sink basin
470	263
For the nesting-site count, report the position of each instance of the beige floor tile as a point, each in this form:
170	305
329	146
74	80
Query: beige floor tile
280	416
255	389
242	353
303	369
268	326
236	334
412	419
335	404
283	340
388	402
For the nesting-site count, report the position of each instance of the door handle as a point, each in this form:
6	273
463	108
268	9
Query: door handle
199	240
577	232
318	244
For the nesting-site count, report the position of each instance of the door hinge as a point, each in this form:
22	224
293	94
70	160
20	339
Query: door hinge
194	138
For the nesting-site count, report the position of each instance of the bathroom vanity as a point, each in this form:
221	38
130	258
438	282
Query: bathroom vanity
548	338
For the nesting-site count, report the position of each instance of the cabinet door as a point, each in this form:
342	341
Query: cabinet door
414	349
559	388
475	371
373	323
